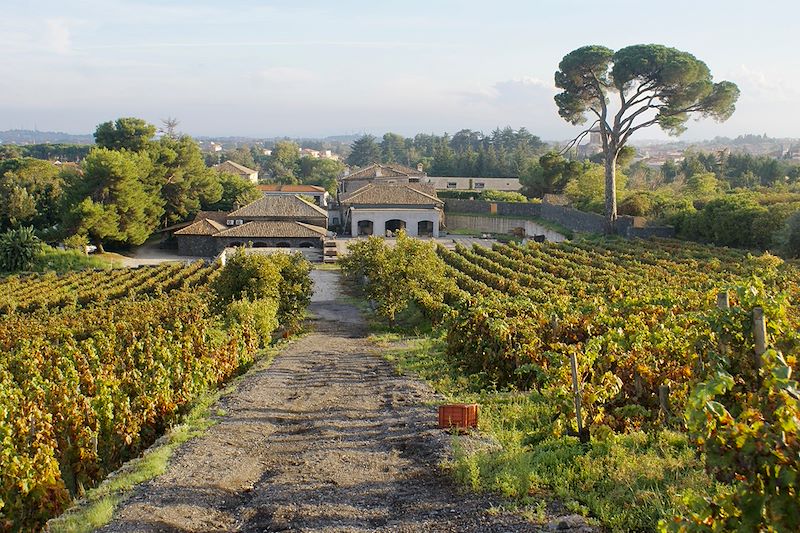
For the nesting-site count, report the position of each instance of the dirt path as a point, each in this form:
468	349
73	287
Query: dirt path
329	438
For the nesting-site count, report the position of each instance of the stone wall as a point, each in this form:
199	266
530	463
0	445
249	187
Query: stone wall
207	246
196	245
573	219
505	209
506	225
567	217
666	232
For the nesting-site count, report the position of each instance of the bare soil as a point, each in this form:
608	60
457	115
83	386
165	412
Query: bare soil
328	438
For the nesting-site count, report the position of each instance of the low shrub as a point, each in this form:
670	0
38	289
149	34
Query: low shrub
247	276
18	249
259	315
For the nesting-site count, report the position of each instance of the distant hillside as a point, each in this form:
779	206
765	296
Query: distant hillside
23	137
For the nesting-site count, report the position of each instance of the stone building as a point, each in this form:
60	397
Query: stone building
382	208
270	221
388	173
319	194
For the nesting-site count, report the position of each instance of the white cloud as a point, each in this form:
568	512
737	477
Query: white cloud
759	84
57	36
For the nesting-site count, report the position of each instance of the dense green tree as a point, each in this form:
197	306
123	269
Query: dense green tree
656	85
464	140
110	202
242	155
643	176
10	152
550	174
444	163
393	149
182	178
363	152
587	190
321	172
669	170
30	193
236	191
789	238
61	152
283	164
702	185
127	133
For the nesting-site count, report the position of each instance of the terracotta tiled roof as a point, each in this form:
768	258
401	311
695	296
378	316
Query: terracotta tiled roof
278	187
279	206
234	167
218	216
202	227
387	170
273	228
385	194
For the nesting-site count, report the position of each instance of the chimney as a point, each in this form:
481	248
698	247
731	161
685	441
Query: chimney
377	171
419	167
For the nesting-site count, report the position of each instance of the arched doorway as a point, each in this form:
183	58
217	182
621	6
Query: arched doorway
306	245
260	244
365	227
235	245
425	228
395	224
283	244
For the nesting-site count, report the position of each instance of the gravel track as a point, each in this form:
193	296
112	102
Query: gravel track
328	438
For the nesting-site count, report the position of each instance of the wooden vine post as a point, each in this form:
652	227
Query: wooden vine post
759	334
723	302
573	362
663	400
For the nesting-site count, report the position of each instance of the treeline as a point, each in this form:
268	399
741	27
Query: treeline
504	152
53	152
737	200
125	188
285	164
733	170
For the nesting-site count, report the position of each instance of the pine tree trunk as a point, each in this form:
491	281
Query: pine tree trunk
611	193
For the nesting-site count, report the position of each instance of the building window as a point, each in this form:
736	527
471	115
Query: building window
239	222
452	185
413	180
479	185
229	222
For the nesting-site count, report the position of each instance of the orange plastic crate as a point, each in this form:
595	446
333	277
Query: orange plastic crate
460	415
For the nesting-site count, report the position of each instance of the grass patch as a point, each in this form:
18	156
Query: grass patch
97	507
61	261
624	481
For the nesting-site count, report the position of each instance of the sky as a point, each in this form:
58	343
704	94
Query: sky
318	68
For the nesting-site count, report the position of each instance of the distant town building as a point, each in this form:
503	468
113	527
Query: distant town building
318	154
448	183
232	167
